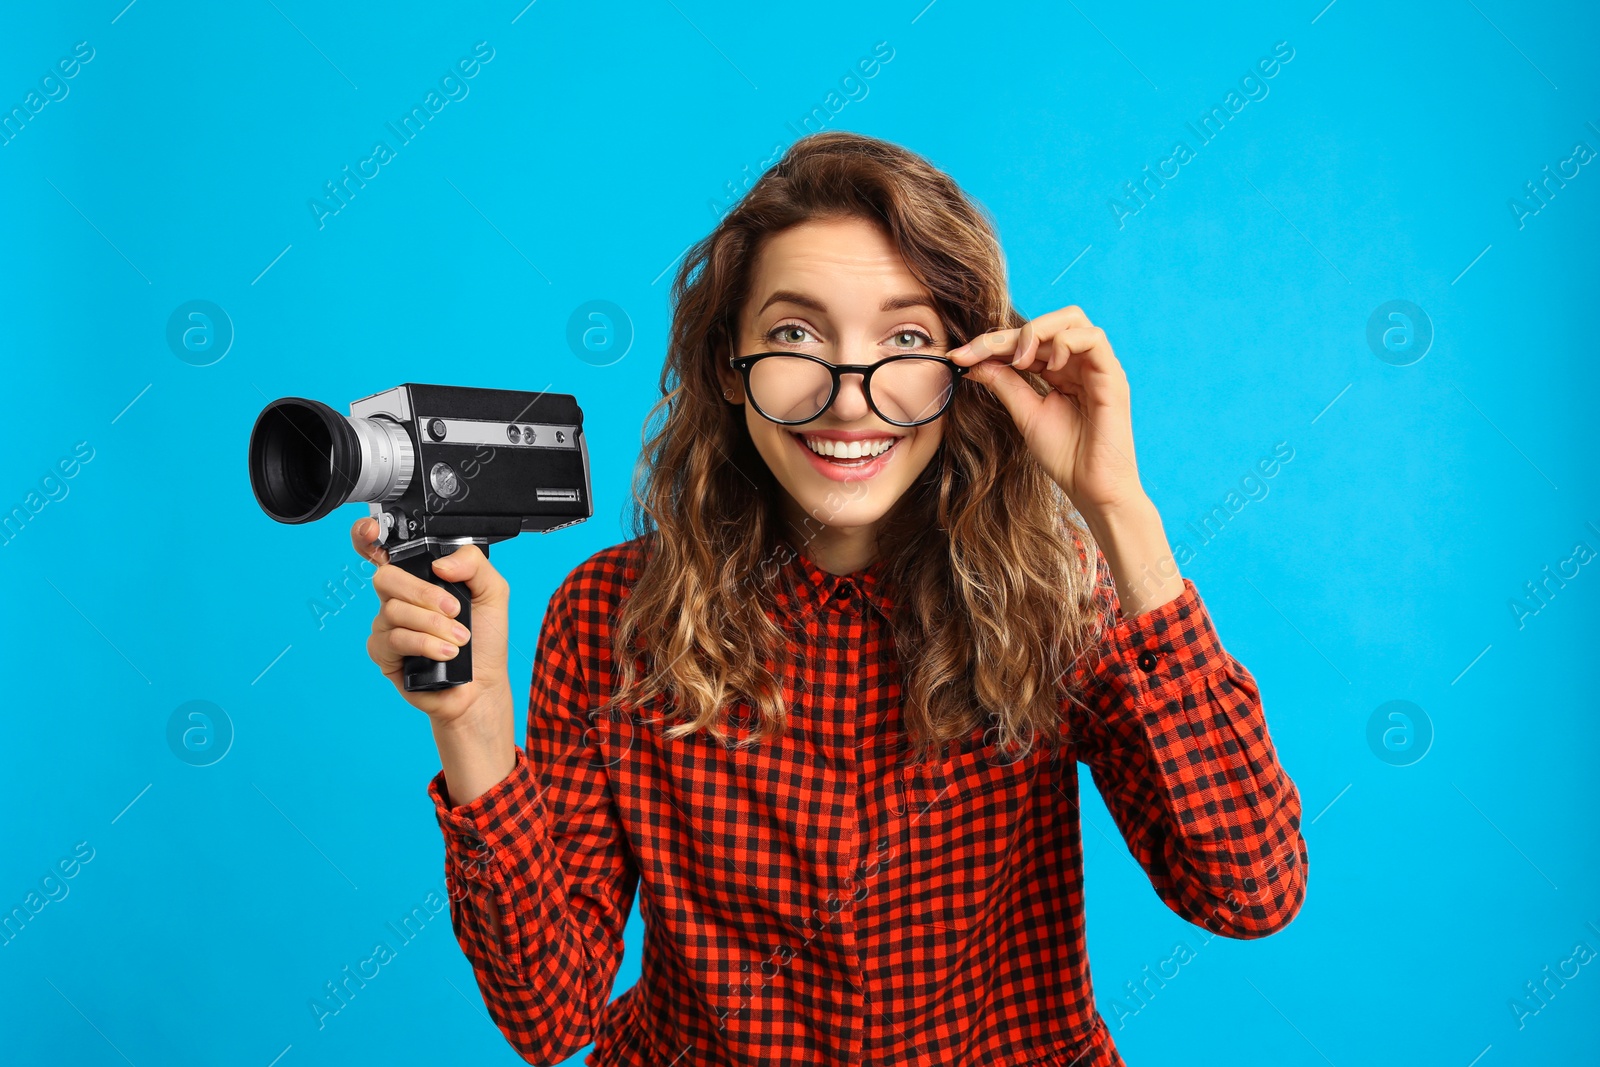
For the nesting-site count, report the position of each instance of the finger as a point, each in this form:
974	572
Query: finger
1048	327
1026	345
1065	318
1013	391
1092	350
379	652
995	344
364	538
397	614
392	581
393	644
470	566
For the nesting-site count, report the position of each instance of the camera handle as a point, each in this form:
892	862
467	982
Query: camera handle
421	673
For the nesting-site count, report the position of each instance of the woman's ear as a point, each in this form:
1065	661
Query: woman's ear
728	379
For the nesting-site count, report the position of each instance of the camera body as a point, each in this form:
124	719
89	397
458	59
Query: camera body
439	466
484	465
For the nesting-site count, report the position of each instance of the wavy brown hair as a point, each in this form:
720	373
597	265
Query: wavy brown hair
994	601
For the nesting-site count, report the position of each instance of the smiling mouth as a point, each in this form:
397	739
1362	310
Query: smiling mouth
848	454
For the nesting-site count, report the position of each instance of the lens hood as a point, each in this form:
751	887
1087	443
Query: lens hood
305	458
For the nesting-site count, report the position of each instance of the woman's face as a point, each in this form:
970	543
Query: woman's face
839	290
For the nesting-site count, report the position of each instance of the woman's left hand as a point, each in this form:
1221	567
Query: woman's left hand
1081	431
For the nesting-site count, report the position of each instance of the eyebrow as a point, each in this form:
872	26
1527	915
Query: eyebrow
893	303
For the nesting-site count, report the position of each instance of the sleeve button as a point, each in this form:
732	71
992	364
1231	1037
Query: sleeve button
1147	661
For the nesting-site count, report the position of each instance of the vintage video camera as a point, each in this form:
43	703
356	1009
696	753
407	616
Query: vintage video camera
440	466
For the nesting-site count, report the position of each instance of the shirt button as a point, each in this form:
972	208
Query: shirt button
842	594
1147	661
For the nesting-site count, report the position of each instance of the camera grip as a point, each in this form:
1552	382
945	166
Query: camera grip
421	673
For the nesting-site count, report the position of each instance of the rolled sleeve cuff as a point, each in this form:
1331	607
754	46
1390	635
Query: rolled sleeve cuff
1171	646
497	853
487	816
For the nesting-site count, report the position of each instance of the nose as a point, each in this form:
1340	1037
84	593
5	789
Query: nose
851	402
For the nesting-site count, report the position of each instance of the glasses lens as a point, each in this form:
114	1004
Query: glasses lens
789	388
909	391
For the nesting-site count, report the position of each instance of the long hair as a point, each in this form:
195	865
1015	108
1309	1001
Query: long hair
993	571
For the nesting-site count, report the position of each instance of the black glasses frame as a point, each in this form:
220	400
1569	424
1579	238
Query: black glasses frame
743	364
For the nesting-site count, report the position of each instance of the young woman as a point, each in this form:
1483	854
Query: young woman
894	577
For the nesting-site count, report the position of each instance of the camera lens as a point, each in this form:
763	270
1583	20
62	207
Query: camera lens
307	459
304	459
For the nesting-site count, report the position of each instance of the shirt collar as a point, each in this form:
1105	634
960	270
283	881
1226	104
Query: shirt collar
804	587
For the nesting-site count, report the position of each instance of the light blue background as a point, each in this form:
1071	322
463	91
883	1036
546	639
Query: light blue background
598	143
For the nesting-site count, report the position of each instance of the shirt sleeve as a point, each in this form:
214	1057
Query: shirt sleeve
541	879
1176	742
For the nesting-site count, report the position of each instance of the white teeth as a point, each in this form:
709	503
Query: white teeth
848	449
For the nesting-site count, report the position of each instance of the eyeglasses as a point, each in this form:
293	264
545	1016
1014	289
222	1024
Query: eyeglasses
791	388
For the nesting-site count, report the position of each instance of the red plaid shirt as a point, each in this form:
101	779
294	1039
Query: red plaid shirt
820	901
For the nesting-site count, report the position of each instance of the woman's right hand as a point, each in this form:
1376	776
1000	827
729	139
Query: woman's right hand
416	618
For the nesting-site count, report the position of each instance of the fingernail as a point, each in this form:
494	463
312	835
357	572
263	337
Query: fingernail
460	632
451	606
